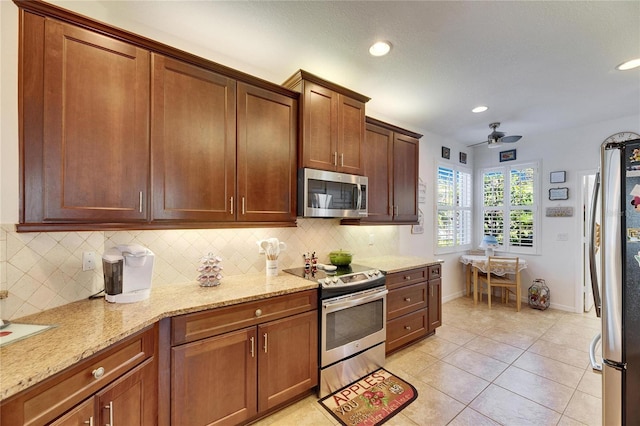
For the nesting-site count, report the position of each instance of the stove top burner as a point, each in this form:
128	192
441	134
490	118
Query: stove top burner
342	281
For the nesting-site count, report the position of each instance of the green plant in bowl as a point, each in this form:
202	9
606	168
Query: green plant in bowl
340	257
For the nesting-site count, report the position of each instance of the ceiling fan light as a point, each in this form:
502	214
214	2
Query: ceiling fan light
480	108
380	48
494	144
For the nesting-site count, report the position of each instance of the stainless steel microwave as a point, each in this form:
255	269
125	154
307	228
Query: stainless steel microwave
330	194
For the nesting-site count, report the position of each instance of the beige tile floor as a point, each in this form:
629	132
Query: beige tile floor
493	367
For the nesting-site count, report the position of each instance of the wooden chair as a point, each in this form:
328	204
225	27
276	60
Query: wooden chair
503	272
477	252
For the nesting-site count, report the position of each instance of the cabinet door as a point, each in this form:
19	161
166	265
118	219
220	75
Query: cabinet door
213	381
378	154
96	115
435	304
132	399
405	178
266	150
351	117
193	143
288	360
82	414
320	127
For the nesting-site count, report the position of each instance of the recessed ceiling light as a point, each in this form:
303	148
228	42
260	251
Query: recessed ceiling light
480	108
629	65
380	48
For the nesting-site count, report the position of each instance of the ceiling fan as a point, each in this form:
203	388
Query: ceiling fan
496	138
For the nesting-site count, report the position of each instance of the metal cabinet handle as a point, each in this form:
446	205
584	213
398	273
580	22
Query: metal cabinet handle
395	210
242	205
253	342
407	327
89	422
407	299
335	158
265	342
110	408
140	202
231	204
258	312
407	277
342	160
98	372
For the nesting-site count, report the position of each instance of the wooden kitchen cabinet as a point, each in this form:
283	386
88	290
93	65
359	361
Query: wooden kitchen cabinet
266	155
391	159
193	142
414	306
233	364
84	125
208	129
121	132
435	297
332	128
123	377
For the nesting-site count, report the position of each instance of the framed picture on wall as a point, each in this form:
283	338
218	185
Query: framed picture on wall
446	152
508	155
558	177
559	194
463	157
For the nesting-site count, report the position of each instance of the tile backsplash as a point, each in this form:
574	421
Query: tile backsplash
44	270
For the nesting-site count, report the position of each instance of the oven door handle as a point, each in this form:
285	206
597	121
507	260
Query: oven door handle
348	303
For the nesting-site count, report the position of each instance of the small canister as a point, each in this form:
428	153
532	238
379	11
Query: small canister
539	295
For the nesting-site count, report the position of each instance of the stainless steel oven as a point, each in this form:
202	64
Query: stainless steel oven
352	337
353	318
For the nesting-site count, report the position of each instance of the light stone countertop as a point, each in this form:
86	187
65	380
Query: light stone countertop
86	327
391	264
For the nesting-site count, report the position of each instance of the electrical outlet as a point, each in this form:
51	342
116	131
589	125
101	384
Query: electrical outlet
88	260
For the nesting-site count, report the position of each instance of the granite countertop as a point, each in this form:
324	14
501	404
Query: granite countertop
85	327
391	264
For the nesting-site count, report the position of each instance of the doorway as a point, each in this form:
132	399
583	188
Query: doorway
584	292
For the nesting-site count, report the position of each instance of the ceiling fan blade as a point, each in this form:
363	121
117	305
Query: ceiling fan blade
510	139
476	144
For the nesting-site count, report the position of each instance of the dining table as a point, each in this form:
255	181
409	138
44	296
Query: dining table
475	263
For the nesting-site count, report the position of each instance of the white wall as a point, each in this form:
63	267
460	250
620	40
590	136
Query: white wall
573	150
8	112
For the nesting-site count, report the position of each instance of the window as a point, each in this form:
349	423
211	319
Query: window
509	206
453	209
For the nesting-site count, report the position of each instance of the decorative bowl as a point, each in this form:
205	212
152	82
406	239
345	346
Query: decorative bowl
340	257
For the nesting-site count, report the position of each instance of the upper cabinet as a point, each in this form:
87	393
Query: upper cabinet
193	142
391	163
120	132
332	128
86	126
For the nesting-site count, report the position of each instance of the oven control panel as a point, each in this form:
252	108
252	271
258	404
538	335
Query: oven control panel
355	278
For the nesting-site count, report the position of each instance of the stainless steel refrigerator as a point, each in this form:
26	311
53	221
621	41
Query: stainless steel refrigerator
616	286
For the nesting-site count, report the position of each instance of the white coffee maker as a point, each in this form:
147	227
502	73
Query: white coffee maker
127	273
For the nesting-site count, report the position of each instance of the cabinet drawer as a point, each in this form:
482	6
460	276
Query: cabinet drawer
407	299
400	279
435	271
196	326
406	329
46	401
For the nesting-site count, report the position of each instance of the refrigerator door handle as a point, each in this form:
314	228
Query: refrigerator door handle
592	353
595	286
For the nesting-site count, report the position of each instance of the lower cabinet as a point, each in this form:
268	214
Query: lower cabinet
414	305
117	386
234	376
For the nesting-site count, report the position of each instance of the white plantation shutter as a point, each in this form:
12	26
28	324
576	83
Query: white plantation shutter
453	217
510	210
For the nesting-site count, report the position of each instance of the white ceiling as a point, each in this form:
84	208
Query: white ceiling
539	65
